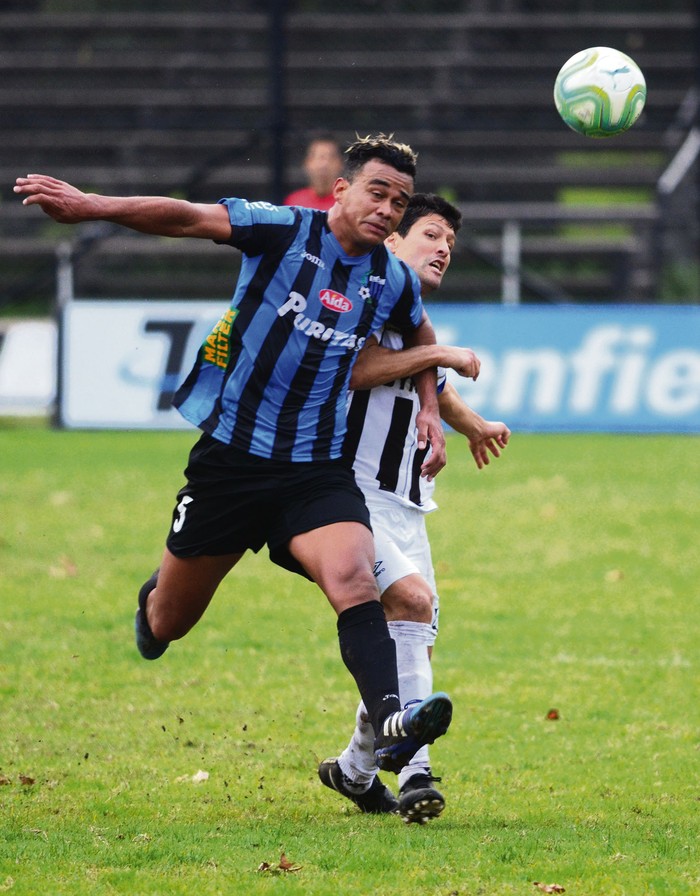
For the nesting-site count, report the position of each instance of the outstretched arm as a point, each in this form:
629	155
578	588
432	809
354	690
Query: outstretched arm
159	215
376	364
484	436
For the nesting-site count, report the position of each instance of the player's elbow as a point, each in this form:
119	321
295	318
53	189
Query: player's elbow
355	382
362	376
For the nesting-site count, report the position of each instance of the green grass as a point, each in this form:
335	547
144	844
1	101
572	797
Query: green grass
569	574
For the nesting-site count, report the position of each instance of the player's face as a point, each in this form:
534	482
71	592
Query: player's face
323	165
427	248
369	207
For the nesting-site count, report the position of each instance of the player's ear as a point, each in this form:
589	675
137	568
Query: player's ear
339	187
392	242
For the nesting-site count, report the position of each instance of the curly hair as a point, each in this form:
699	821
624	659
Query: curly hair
382	147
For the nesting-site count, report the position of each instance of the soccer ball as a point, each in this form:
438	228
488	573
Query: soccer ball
600	92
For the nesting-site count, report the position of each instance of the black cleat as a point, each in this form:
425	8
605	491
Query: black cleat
404	733
419	801
375	801
149	647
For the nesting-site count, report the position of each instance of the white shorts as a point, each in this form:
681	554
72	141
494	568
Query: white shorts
401	548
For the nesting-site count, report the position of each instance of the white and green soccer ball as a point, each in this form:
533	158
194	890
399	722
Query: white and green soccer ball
600	92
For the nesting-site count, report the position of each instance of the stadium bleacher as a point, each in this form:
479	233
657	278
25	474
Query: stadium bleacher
171	101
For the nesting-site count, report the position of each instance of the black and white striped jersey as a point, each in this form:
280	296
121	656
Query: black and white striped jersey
381	438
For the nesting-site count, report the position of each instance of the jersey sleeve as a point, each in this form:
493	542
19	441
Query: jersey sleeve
256	225
407	313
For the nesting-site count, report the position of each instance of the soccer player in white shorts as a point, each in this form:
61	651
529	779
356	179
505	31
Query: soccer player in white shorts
382	445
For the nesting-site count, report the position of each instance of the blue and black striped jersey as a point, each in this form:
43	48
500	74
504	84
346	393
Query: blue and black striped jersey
272	376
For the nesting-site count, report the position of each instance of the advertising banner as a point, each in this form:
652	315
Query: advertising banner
602	368
121	361
27	367
614	368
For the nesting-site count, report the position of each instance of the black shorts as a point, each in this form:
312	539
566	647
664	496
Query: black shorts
234	501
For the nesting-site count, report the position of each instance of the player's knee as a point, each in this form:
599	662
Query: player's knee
171	624
165	629
349	583
409	600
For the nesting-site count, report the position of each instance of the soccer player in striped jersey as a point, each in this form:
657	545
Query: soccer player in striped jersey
269	392
389	467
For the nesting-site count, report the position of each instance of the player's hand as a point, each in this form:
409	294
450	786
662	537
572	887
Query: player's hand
493	437
430	432
463	361
60	200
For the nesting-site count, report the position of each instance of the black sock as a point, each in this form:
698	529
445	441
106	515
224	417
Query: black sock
369	653
144	592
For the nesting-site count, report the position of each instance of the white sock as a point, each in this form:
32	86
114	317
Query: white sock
415	678
357	759
415	683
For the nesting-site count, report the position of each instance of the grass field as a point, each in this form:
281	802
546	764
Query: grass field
569	574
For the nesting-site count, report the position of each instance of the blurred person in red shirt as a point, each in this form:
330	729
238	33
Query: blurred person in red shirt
323	164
